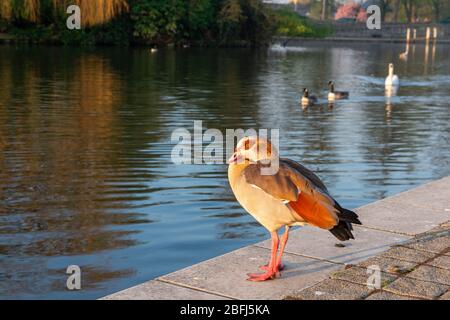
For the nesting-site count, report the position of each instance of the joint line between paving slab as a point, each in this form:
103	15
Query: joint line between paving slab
400	294
447	254
385	230
397	294
195	288
405	246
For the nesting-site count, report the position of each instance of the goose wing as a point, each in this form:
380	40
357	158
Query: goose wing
300	189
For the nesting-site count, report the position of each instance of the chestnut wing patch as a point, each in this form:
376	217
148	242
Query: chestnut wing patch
279	185
310	201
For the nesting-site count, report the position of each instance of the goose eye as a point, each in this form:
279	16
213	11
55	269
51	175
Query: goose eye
247	145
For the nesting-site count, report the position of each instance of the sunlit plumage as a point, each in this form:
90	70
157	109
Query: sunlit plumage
392	79
291	196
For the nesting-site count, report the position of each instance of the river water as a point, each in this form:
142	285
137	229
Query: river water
86	176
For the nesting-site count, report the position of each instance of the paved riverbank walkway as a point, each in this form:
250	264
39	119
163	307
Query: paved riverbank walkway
416	269
406	235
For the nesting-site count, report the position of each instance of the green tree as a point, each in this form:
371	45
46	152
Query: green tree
200	15
247	20
437	6
410	7
230	18
156	20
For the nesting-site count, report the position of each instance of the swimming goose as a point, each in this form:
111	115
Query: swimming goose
392	79
308	100
336	95
289	196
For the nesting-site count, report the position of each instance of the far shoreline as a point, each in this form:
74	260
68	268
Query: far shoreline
298	41
6	38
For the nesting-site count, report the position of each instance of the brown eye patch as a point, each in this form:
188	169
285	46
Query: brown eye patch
269	149
247	144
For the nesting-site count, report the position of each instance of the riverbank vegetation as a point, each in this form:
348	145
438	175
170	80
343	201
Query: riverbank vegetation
290	24
154	22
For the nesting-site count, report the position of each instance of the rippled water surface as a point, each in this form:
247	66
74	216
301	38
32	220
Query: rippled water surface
85	170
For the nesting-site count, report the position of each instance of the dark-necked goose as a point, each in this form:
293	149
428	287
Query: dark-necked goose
307	99
336	95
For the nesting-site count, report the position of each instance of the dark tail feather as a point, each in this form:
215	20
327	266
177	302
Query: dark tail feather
343	231
349	216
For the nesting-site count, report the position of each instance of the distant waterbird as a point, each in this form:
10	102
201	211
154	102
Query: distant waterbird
307	99
392	79
153	50
336	95
404	55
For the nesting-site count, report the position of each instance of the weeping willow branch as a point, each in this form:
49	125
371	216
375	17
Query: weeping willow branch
6	10
93	12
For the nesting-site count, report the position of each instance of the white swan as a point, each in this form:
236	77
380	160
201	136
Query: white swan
390	91
392	79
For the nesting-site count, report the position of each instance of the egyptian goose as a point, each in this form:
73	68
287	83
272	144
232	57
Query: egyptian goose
291	196
336	95
392	79
308	100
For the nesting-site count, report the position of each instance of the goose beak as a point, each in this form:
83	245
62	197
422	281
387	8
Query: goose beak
233	158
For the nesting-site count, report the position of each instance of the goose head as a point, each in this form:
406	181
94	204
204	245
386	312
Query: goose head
253	149
305	93
331	86
391	69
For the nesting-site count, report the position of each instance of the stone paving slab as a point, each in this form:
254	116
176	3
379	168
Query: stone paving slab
445	296
157	290
416	288
405	273
441	262
332	289
389	265
408	254
321	244
433	274
434	242
425	208
360	275
384	295
227	274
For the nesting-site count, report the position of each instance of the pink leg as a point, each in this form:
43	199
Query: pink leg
284	240
272	269
279	264
265	267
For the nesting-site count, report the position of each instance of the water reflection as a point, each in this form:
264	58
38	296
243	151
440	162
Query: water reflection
85	170
58	130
